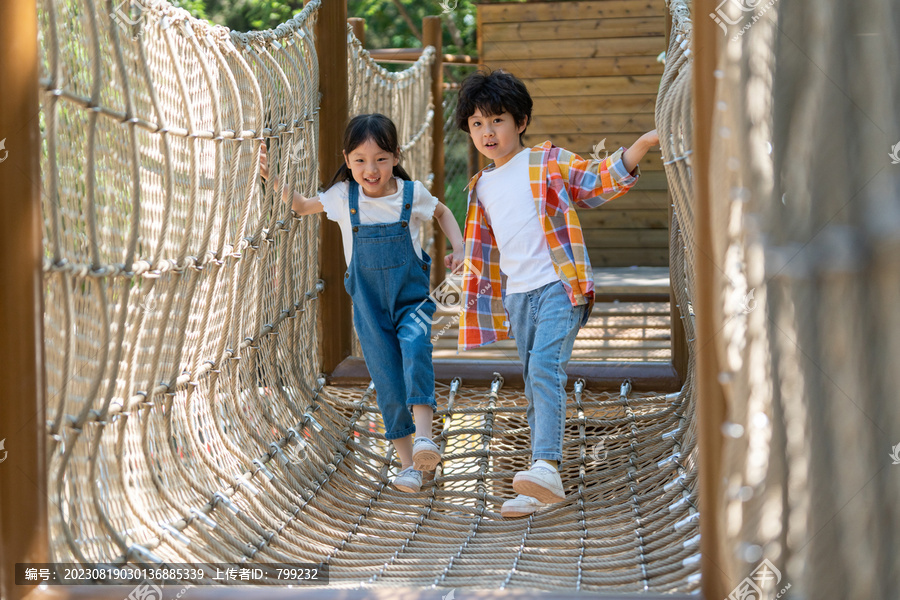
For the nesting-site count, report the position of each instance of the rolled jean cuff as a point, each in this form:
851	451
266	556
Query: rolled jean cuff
546	456
422	400
396	435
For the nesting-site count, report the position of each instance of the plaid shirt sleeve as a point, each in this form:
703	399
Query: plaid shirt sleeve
594	182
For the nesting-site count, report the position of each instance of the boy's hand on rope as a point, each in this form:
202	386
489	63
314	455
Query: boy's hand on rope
636	152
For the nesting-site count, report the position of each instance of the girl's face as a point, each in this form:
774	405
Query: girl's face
372	168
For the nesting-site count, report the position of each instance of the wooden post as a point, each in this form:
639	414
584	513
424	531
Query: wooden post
23	463
359	29
710	397
335	318
431	36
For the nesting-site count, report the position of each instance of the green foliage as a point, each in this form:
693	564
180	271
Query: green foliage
386	27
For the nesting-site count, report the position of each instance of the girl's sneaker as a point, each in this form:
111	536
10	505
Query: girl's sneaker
426	454
520	506
408	480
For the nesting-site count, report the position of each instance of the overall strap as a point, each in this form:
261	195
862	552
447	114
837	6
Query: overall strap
354	203
406	210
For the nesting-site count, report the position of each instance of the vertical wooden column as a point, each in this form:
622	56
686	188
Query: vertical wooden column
335	318
710	397
431	36
23	470
359	29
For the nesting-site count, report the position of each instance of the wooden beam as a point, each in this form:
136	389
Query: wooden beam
432	36
561	11
599	376
23	461
396	54
576	29
542	87
402	55
335	321
627	104
359	29
709	393
506	53
610	65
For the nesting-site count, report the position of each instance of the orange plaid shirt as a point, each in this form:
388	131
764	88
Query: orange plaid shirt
560	180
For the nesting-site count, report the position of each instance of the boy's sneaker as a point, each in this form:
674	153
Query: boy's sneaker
541	481
408	480
520	506
426	454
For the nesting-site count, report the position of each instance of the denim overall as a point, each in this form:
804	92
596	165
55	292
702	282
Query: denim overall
389	283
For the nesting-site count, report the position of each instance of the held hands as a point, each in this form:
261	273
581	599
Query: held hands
454	260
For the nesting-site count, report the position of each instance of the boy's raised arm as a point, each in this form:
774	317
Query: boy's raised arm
593	182
636	152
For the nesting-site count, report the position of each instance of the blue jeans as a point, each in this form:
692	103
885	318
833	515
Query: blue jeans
389	284
545	324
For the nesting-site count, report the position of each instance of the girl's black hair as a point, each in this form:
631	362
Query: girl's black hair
375	127
493	93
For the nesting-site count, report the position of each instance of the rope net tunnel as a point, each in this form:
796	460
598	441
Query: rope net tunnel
181	329
187	418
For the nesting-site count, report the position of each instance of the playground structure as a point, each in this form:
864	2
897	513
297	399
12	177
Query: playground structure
182	329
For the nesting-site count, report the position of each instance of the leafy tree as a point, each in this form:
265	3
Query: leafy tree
389	23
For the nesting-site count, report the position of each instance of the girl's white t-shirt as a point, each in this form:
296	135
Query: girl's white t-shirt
336	202
505	193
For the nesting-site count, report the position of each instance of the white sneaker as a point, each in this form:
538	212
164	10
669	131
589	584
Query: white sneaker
541	481
520	506
426	454
408	480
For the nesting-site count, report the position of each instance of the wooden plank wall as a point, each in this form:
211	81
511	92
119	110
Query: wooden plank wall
591	68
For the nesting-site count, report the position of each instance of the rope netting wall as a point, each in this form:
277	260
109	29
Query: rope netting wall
188	422
806	227
177	294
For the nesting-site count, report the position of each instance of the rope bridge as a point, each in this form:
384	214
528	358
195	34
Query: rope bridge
188	420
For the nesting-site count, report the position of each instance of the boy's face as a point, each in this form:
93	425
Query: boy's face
496	136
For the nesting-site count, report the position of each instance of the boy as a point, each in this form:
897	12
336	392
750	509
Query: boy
521	221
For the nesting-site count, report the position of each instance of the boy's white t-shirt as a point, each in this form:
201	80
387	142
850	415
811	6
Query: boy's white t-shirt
505	193
336	202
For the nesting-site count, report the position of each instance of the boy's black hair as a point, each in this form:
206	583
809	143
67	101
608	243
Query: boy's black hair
493	92
375	127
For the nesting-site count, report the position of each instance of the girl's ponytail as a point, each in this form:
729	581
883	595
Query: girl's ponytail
401	173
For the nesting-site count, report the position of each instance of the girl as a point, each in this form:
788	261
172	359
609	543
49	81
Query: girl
380	212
